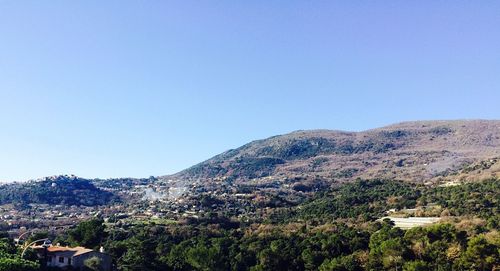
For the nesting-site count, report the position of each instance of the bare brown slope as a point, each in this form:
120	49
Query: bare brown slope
414	151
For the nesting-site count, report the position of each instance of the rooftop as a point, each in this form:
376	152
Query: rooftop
73	250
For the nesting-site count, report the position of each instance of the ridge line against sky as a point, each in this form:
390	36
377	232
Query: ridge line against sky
126	88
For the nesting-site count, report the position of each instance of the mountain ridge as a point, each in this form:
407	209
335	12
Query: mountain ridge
418	151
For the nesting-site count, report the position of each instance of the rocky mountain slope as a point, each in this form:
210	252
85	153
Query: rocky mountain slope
413	151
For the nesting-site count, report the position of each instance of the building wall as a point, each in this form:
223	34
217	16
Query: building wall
55	260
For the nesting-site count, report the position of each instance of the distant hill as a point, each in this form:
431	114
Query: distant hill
63	190
421	151
412	151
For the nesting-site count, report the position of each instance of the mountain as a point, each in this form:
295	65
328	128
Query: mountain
411	151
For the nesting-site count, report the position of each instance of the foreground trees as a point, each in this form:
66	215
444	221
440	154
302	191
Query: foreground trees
343	236
373	246
376	246
10	259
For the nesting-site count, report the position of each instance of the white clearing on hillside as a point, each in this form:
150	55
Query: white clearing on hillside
411	222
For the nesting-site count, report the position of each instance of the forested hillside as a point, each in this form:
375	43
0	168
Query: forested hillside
64	190
368	200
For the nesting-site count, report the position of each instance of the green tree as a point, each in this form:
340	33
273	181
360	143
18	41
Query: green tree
17	264
344	263
416	266
93	264
89	234
480	255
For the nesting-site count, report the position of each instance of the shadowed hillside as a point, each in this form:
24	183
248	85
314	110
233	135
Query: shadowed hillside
63	190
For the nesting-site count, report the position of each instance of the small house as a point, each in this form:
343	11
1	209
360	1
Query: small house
75	258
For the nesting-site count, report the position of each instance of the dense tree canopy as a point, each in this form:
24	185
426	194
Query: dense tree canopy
10	259
62	190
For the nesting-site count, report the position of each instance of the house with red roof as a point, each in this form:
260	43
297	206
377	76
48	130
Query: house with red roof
74	258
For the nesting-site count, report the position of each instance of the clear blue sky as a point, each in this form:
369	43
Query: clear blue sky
140	88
